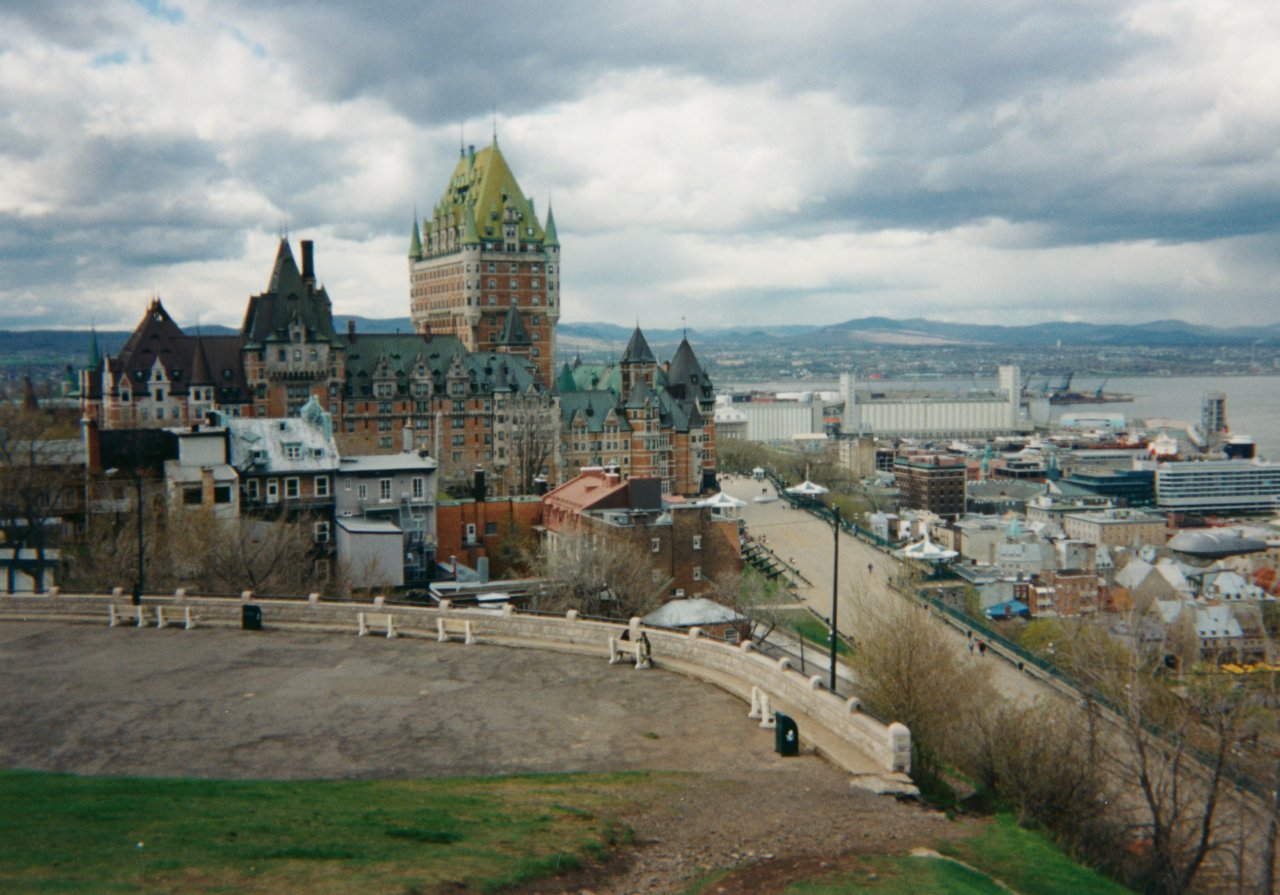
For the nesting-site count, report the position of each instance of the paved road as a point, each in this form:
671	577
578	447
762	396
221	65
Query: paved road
865	572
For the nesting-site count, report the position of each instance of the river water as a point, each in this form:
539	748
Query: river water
1253	402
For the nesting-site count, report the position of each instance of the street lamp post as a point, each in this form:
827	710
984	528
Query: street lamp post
835	589
141	579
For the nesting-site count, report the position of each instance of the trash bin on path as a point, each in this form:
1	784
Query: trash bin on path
786	736
251	617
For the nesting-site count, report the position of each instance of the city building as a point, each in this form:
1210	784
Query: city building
385	509
482	253
646	420
688	545
924	414
1218	486
933	482
1116	528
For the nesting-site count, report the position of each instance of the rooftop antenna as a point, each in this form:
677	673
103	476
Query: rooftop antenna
684	327
495	125
462	140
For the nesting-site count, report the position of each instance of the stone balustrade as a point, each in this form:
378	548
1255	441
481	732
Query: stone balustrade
835	727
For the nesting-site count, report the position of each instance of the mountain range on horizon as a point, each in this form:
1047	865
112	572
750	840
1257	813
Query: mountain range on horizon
864	332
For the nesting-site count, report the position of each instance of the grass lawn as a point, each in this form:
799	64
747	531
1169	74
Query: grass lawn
68	834
813	630
1003	855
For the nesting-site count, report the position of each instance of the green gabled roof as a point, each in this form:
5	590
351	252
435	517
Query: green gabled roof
415	240
470	235
551	239
485	373
483	180
590	377
593	408
95	352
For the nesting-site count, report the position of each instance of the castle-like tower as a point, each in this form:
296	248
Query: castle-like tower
481	258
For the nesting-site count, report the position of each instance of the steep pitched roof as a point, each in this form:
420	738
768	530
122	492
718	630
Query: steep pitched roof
685	378
564	382
551	239
483	182
415	240
289	297
638	351
399	356
513	329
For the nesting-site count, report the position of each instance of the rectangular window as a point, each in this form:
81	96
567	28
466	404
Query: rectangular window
291	487
322	486
384	489
293	451
419	487
222	494
491	528
346	484
655	545
322	532
362	492
251	488
191	497
697	573
697	542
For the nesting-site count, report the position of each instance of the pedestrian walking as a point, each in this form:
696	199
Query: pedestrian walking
982	648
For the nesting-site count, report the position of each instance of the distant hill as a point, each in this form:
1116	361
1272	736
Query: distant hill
48	347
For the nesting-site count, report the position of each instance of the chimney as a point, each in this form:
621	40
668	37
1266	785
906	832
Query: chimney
308	260
351	331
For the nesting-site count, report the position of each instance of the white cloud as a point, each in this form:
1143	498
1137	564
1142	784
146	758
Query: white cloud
1105	161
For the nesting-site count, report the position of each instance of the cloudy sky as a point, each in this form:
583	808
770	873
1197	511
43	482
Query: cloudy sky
984	160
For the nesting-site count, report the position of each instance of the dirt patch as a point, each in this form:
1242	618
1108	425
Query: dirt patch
232	704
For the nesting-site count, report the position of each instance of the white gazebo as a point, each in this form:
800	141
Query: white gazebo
807	489
725	504
927	551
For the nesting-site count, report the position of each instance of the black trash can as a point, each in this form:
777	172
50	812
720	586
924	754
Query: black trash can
251	617
786	736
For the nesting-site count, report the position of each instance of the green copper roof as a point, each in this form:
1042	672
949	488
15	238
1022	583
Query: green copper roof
470	236
483	181
95	352
551	239
415	241
564	382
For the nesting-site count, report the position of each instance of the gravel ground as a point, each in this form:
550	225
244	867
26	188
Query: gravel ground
223	703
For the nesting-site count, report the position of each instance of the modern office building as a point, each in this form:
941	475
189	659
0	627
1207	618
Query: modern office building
1218	486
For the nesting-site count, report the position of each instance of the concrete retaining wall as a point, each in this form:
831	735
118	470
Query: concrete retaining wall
835	727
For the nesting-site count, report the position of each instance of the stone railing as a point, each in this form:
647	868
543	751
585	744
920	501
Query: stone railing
879	754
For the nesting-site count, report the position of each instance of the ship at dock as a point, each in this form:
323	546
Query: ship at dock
1062	393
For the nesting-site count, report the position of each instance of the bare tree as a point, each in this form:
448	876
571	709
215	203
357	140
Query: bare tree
598	577
911	669
39	482
528	431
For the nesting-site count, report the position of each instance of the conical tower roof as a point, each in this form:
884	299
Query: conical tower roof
564	382
686	379
200	374
551	238
415	240
514	333
638	350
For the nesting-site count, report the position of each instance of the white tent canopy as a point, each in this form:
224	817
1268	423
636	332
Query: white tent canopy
723	501
927	551
807	489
